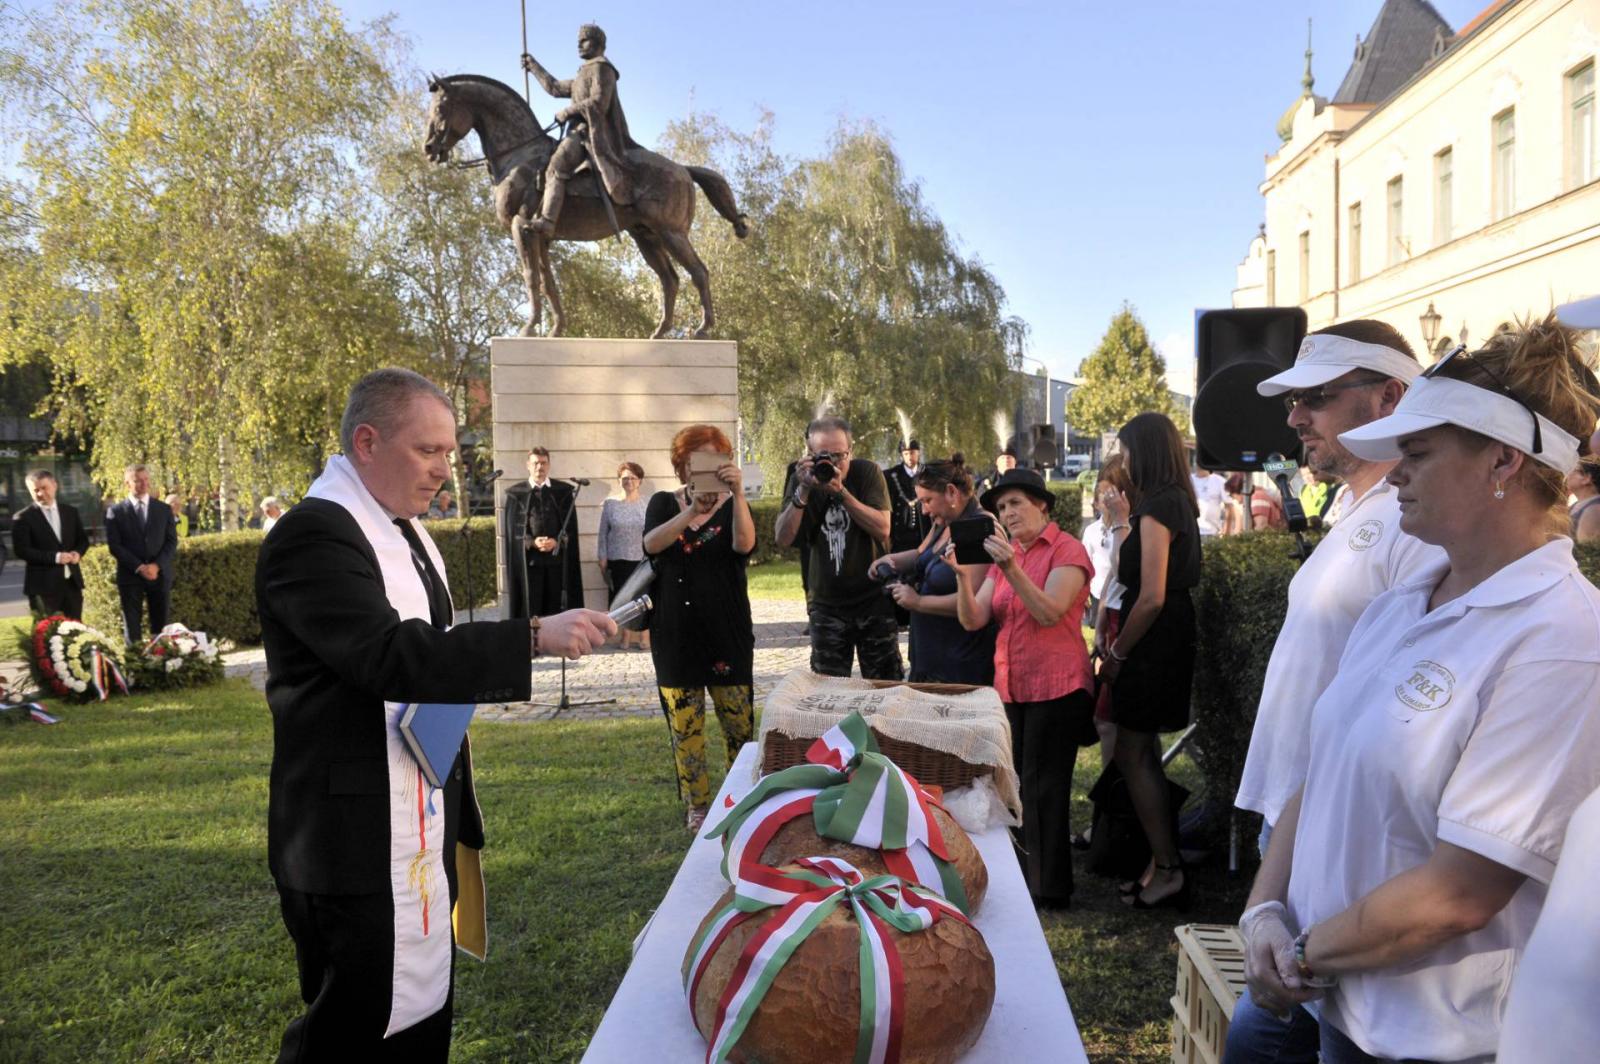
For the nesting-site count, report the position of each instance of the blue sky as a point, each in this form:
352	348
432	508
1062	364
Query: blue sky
1088	153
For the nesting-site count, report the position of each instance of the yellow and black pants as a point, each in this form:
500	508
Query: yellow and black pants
685	710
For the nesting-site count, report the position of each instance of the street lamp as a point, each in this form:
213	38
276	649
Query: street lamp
1430	326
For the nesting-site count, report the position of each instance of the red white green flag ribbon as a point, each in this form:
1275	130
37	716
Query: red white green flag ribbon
854	794
810	893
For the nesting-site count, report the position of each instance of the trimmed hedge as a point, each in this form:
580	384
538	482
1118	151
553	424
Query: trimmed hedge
765	511
1239	606
214	585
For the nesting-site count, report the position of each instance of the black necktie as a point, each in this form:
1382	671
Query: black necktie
438	598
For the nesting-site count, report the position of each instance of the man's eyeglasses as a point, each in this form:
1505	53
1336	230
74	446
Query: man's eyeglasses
1464	360
1320	396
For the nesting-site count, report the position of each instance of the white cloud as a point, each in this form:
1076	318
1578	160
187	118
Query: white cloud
1178	350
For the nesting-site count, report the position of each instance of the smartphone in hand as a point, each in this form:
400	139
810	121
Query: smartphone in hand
968	534
703	466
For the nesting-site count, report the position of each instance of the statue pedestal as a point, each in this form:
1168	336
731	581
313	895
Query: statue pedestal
595	404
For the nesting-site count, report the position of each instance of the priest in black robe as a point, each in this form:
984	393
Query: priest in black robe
541	542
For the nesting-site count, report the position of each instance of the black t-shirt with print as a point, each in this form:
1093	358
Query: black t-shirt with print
835	550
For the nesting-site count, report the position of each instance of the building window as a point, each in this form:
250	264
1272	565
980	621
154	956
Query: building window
1397	238
1443	178
1580	126
1272	278
1355	242
1504	189
1305	267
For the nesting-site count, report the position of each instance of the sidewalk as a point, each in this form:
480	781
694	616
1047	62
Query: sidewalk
626	677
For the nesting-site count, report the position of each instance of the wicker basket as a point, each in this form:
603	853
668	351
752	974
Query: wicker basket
930	767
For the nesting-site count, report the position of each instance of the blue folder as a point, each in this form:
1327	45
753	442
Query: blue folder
433	731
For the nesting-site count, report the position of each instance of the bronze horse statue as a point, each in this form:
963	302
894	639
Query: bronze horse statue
516	150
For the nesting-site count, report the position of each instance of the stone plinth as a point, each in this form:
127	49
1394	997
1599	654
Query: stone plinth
597	403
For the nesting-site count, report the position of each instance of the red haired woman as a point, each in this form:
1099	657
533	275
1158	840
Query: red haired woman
701	634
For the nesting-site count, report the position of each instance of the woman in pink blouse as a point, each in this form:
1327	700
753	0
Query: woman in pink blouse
1036	592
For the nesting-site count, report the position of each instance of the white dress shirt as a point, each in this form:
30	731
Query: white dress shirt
1552	1013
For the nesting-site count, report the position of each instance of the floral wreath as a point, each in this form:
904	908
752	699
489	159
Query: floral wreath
75	661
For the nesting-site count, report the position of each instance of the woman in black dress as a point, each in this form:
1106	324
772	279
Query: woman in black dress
1150	664
700	628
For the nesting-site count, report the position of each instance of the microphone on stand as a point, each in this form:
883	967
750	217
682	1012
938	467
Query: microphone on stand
490	478
582	482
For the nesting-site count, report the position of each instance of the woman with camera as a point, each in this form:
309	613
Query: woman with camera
1035	591
1150	663
942	651
701	634
1459	734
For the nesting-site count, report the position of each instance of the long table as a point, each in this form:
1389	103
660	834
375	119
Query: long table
648	1018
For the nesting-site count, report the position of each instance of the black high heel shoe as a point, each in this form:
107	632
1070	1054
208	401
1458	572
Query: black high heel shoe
1180	899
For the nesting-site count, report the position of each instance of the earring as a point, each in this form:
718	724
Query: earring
1499	490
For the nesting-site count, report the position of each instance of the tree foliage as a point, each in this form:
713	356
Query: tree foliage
201	287
225	218
1124	376
848	293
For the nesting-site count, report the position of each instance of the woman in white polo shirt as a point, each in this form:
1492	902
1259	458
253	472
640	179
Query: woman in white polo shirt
1459	733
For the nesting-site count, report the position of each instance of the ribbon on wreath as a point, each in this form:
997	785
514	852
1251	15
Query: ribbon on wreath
854	794
103	674
808	894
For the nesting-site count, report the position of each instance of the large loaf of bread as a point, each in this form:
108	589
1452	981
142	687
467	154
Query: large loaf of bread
812	1012
799	838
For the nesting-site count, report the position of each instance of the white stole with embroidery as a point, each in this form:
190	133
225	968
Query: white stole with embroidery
416	835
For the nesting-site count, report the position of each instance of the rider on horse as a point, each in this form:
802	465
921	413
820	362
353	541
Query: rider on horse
597	132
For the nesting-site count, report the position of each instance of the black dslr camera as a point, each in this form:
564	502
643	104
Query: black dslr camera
823	468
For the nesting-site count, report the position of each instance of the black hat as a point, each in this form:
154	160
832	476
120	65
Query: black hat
1025	479
912	446
1009	450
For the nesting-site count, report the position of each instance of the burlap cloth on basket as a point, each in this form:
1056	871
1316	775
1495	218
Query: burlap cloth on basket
970	725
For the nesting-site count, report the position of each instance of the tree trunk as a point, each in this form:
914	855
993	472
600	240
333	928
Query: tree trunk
225	487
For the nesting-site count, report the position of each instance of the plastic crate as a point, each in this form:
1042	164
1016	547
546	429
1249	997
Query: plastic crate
1210	980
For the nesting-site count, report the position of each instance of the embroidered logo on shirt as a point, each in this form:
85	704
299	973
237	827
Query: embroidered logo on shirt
1429	687
1366	534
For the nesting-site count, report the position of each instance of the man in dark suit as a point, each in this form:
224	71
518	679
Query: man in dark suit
355	619
143	537
50	537
541	529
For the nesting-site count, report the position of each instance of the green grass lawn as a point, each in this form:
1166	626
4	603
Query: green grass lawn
138	921
12	629
775	580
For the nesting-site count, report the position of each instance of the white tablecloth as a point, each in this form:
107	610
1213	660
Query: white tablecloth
648	1019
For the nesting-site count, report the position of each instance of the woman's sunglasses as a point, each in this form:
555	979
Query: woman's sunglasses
1463	359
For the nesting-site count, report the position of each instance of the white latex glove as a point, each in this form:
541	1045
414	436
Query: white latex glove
1269	967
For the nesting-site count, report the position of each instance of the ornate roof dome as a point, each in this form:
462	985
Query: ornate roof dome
1285	126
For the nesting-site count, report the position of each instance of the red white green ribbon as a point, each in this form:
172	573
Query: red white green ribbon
810	893
854	794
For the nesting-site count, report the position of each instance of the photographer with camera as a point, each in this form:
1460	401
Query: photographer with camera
923	582
837	511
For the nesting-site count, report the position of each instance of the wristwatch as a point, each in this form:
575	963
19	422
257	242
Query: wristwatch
533	637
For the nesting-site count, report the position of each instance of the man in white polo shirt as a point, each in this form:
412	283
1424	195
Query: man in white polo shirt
1345	375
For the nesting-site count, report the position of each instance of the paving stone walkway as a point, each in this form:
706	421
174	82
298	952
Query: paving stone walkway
623	681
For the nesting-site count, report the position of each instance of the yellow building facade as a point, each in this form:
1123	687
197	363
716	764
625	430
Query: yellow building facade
1455	170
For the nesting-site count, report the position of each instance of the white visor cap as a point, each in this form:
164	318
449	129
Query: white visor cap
1324	357
1580	314
1435	401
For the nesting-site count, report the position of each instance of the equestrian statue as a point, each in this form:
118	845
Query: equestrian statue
591	183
